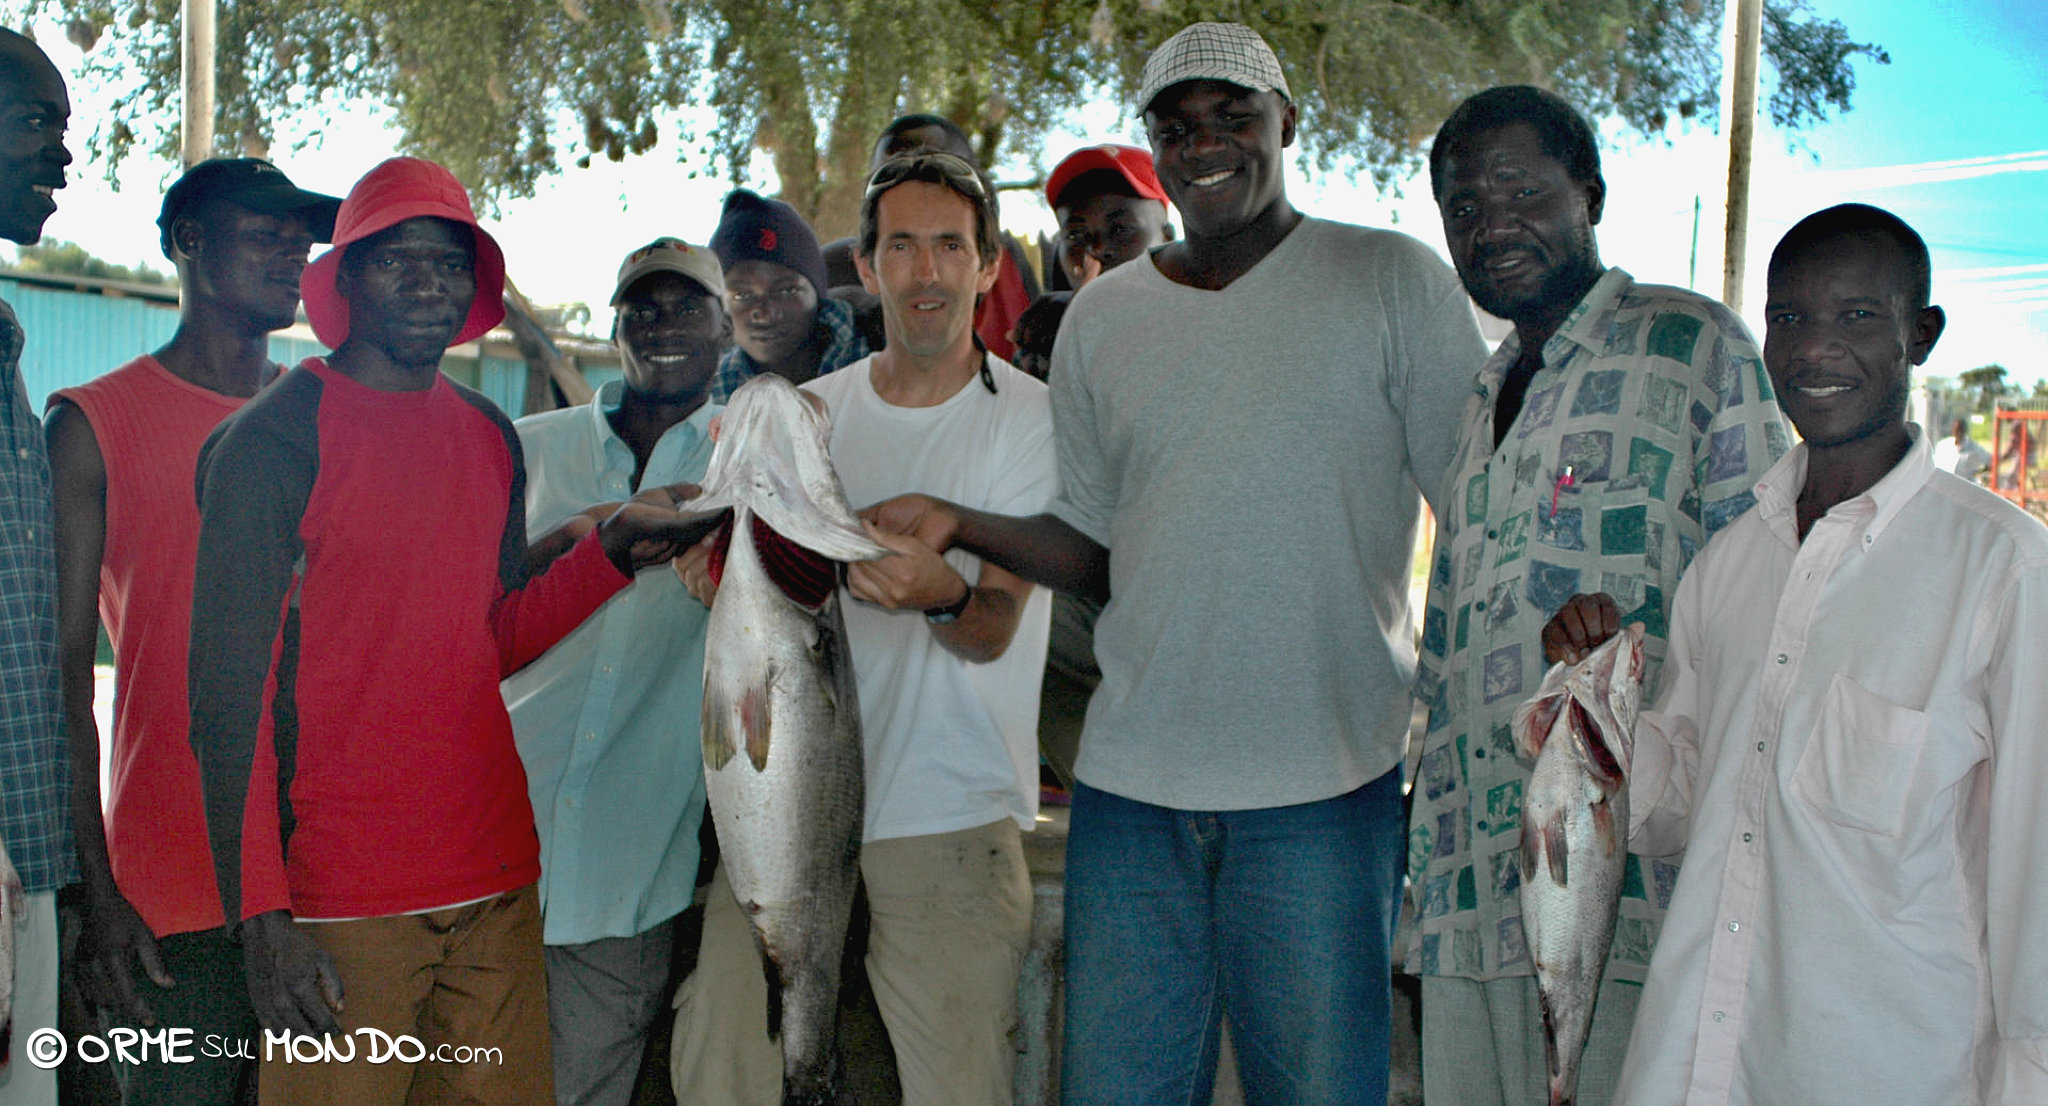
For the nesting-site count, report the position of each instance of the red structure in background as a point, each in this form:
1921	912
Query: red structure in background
2018	438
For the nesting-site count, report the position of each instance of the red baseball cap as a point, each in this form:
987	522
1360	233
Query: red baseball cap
1129	162
398	189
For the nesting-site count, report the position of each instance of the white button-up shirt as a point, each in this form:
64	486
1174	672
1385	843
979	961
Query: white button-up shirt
607	719
1852	746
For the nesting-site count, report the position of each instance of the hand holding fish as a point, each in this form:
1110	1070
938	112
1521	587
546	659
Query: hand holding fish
911	578
929	520
693	568
112	943
293	983
1579	627
649	529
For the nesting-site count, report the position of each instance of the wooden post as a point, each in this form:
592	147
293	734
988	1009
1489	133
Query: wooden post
196	66
1741	115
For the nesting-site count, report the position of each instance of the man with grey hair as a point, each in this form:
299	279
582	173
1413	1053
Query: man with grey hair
1247	416
35	825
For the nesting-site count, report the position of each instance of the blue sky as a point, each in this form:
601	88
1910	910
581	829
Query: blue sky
1953	136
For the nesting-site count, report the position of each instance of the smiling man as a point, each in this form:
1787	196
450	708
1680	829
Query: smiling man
1609	436
1852	739
124	449
947	651
782	321
606	720
1245	418
34	788
361	588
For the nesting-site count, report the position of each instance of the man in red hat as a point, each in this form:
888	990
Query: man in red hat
361	587
1110	207
155	948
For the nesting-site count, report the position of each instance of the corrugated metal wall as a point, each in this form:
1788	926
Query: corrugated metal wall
74	336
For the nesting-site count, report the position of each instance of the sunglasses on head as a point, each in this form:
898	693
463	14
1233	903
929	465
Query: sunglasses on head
957	172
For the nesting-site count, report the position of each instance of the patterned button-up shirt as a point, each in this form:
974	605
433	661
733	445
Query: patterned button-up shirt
35	819
834	326
1642	434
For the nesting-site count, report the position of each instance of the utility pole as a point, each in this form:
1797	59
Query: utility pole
196	67
1741	116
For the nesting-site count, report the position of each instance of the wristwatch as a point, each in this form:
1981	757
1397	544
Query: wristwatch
951	612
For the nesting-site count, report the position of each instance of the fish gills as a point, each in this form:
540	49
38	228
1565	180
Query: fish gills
1580	729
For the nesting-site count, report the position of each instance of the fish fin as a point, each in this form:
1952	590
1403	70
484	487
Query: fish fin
1549	1040
1554	850
716	728
774	976
754	718
1533	720
1604	828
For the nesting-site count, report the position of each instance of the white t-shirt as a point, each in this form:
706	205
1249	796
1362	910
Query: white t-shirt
950	745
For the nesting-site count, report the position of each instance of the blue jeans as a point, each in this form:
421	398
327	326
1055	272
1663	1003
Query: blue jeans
1282	917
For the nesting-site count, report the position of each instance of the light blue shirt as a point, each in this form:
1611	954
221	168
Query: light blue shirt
606	721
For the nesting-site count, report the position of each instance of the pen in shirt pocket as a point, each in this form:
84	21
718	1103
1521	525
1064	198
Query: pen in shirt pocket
1564	480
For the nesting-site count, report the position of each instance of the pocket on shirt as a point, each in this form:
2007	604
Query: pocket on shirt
1861	759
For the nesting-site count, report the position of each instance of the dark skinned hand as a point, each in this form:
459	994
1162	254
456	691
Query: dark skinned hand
929	520
648	529
1579	627
112	943
293	983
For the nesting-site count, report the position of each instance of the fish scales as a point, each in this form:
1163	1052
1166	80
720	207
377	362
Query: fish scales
781	723
1580	730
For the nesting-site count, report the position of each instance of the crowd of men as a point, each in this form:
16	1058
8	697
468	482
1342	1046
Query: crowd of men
404	732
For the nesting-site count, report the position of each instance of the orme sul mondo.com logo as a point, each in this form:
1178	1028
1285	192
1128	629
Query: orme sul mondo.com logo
47	1048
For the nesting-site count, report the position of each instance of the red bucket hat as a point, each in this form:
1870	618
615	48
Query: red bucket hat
399	189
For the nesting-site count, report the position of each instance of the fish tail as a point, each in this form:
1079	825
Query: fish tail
1560	1095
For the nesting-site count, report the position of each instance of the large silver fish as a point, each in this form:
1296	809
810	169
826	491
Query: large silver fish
1580	730
781	726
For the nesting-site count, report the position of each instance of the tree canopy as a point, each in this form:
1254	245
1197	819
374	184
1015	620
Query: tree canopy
506	92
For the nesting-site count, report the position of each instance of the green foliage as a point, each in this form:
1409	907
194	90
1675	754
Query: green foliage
493	87
58	257
1981	388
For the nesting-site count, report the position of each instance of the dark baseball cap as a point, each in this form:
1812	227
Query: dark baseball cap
253	183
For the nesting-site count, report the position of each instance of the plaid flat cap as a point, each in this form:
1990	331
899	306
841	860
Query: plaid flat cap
1229	52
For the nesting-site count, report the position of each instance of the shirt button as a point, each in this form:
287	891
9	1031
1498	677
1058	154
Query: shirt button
1479	753
21	453
1748	837
1479	606
1492	534
1782	658
607	668
1759	746
1735	927
1479	824
1718	1015
592	736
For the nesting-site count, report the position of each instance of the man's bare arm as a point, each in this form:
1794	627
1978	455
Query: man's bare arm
115	939
1041	549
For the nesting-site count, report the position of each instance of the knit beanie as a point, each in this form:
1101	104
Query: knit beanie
752	228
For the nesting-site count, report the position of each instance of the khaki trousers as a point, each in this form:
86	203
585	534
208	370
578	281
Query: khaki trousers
951	919
467	984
